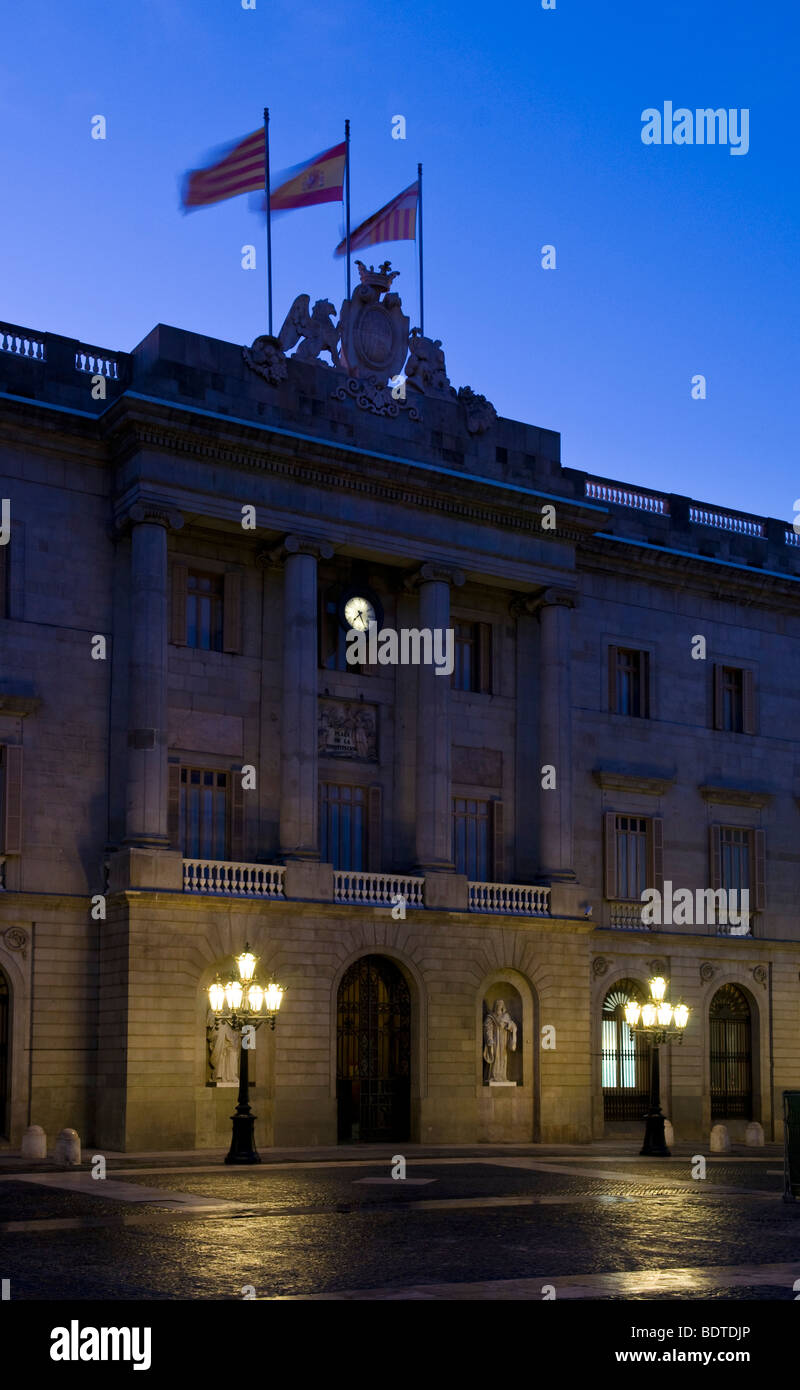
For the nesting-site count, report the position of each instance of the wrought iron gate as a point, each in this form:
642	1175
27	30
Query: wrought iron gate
4	1076
373	1052
626	1062
731	1055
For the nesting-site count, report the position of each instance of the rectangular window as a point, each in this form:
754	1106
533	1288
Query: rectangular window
472	667
203	814
204	606
343	825
734	700
472	838
632	845
629	675
735	858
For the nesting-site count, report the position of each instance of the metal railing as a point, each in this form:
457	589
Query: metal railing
228	877
375	889
510	899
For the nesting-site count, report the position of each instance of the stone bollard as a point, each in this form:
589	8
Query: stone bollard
34	1143
669	1134
720	1140
68	1148
754	1135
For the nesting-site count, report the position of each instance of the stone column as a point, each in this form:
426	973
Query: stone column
555	735
299	827
434	812
146	808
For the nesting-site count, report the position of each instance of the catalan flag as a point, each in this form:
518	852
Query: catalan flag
397	221
239	169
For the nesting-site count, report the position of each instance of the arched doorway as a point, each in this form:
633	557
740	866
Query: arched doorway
625	1073
731	1055
5	1078
373	1052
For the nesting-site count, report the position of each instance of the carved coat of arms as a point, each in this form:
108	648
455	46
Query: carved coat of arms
373	327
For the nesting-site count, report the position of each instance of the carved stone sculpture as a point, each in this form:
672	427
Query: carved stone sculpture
374	328
499	1038
316	330
266	357
425	370
481	414
223	1051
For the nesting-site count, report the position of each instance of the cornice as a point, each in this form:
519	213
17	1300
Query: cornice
642	782
736	796
613	555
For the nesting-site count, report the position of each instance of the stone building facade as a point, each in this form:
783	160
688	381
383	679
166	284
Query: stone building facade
188	762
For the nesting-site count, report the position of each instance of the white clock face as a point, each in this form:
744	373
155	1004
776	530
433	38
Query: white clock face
359	613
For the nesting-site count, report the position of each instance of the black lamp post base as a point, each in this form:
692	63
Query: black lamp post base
655	1145
243	1149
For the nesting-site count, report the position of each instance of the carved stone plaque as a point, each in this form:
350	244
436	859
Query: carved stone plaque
347	729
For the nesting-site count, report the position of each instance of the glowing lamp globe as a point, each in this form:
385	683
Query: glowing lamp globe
658	988
216	995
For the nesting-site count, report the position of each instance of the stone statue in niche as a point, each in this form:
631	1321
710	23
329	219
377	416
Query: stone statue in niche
499	1038
223	1051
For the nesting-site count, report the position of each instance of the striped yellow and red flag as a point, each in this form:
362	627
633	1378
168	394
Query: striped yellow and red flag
397	221
318	180
239	169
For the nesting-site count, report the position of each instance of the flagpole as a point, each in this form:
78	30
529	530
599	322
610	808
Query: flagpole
419	247
347	200
269	216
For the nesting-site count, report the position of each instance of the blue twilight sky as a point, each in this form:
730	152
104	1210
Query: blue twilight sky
672	260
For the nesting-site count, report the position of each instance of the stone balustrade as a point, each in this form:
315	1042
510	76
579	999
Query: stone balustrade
626	917
222	876
350	886
22	342
726	521
510	899
599	491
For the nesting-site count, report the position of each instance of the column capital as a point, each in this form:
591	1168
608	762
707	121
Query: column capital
295	545
143	511
434	572
553	597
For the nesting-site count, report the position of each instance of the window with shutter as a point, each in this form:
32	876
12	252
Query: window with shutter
343	814
629	681
232	612
374	829
11	799
473	836
472	663
498	843
204	812
178	613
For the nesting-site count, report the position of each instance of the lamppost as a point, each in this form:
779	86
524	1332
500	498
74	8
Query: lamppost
244	1003
657	1016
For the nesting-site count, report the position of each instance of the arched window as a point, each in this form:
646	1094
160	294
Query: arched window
731	1055
5	1079
625	1059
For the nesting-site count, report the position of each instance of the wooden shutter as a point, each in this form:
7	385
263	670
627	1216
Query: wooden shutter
719	703
12	799
655	855
759	853
374	853
644	685
180	579
236	807
748	703
610	852
498	845
484	635
232	612
715	856
174	805
612	679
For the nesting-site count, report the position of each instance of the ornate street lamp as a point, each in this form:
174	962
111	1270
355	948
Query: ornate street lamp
244	1003
659	1022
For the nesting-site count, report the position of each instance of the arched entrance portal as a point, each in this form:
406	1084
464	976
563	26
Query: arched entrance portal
373	1052
626	1074
5	1079
731	1055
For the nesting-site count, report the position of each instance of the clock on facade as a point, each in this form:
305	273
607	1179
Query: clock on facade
358	608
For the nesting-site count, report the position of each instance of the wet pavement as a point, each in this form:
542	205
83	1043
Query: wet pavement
493	1225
